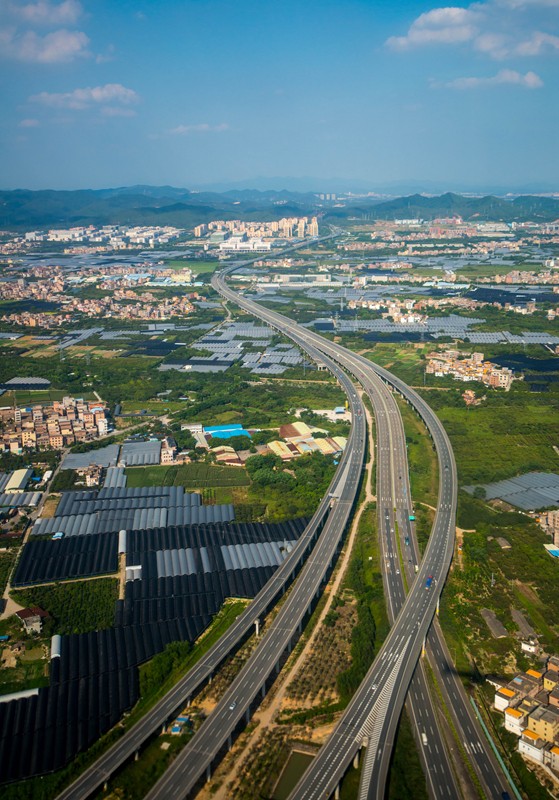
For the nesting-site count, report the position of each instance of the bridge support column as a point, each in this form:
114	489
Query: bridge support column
337	792
208	773
106	786
356	760
257	627
423	649
210	678
277	667
247	716
263	691
229	742
137	755
188	702
438	606
289	646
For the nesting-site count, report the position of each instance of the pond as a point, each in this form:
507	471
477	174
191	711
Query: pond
294	768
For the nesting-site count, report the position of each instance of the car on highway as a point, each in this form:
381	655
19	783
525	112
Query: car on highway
233	705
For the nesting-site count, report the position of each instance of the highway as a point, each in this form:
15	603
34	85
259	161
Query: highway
372	716
399	554
373	713
387	682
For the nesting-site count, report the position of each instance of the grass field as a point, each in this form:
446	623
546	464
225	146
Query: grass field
197	267
191	476
155	406
26	398
404	360
424	475
495	442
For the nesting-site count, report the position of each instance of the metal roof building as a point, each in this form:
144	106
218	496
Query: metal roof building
18	481
104	457
19	499
135	454
115	477
530	491
133	518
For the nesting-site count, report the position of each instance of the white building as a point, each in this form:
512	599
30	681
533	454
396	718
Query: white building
531	746
18	481
515	721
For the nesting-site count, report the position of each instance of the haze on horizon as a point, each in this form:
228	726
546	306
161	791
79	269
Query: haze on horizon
202	92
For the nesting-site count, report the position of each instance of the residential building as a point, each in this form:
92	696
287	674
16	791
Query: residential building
515	721
544	722
531	746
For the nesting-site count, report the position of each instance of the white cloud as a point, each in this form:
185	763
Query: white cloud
20	41
201	127
56	47
528	3
88	97
537	44
449	25
505	76
28	123
497	28
43	12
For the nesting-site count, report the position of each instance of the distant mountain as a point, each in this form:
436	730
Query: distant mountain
469	208
166	205
306	184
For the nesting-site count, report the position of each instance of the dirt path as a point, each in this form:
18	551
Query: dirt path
460	542
264	718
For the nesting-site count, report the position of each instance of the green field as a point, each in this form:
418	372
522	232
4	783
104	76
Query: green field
404	360
197	267
422	458
157	406
26	398
493	442
191	476
76	607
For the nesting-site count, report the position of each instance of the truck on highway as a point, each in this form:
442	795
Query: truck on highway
415	568
429	582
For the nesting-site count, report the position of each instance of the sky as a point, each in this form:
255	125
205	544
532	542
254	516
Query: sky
191	93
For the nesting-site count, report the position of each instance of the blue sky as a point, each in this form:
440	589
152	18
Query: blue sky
193	92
